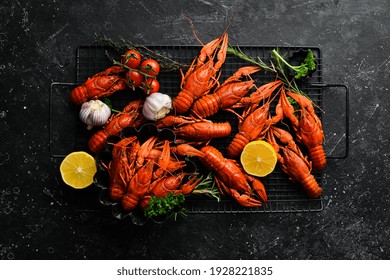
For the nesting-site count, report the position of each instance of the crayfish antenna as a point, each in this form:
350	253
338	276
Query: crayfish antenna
192	28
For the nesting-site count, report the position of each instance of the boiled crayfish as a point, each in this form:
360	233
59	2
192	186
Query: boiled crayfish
307	127
292	161
195	130
100	85
226	95
232	180
130	116
138	171
202	75
252	124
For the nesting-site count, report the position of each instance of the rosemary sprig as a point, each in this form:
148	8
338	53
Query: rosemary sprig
279	66
275	66
291	85
207	187
123	45
256	61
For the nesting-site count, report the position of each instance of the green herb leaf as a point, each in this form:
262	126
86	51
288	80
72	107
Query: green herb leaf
301	70
207	186
108	102
159	206
310	61
258	61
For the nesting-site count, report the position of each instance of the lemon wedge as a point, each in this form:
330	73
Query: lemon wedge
77	169
258	158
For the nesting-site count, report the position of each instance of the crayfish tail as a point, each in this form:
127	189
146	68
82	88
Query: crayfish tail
116	193
183	102
205	106
237	145
311	186
79	95
318	158
97	141
129	202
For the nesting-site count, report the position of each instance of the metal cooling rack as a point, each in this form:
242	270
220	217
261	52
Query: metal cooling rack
283	195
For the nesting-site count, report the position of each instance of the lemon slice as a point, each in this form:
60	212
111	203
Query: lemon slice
77	169
258	158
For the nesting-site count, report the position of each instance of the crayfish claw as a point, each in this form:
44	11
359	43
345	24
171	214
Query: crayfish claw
258	186
188	187
187	150
245	199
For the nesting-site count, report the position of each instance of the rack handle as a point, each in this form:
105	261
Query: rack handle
51	111
326	85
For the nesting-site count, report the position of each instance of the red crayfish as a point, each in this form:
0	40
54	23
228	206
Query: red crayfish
100	85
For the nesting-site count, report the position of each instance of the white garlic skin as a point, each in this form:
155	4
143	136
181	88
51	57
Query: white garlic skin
94	113
157	105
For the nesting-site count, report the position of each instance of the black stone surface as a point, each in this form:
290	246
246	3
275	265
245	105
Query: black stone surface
41	218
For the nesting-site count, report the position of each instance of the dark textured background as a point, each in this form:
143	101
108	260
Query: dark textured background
40	218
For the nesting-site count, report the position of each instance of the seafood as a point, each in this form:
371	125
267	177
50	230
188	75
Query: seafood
170	184
251	128
192	129
226	95
255	120
186	150
138	171
118	168
292	161
263	92
138	186
114	126
202	75
129	116
203	131
232	180
100	85
172	120
307	127
144	151
163	161
133	106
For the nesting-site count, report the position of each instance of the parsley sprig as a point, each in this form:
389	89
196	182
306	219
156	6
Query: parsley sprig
168	205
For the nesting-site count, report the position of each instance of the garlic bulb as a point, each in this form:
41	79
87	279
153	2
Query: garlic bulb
157	105
94	113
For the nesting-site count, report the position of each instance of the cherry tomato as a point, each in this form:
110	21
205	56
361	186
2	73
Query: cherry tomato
131	58
150	67
134	78
150	85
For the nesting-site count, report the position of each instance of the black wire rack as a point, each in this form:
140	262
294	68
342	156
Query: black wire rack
283	195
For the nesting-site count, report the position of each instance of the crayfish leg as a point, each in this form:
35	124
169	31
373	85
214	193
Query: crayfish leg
188	187
245	199
187	150
258	186
223	189
163	161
